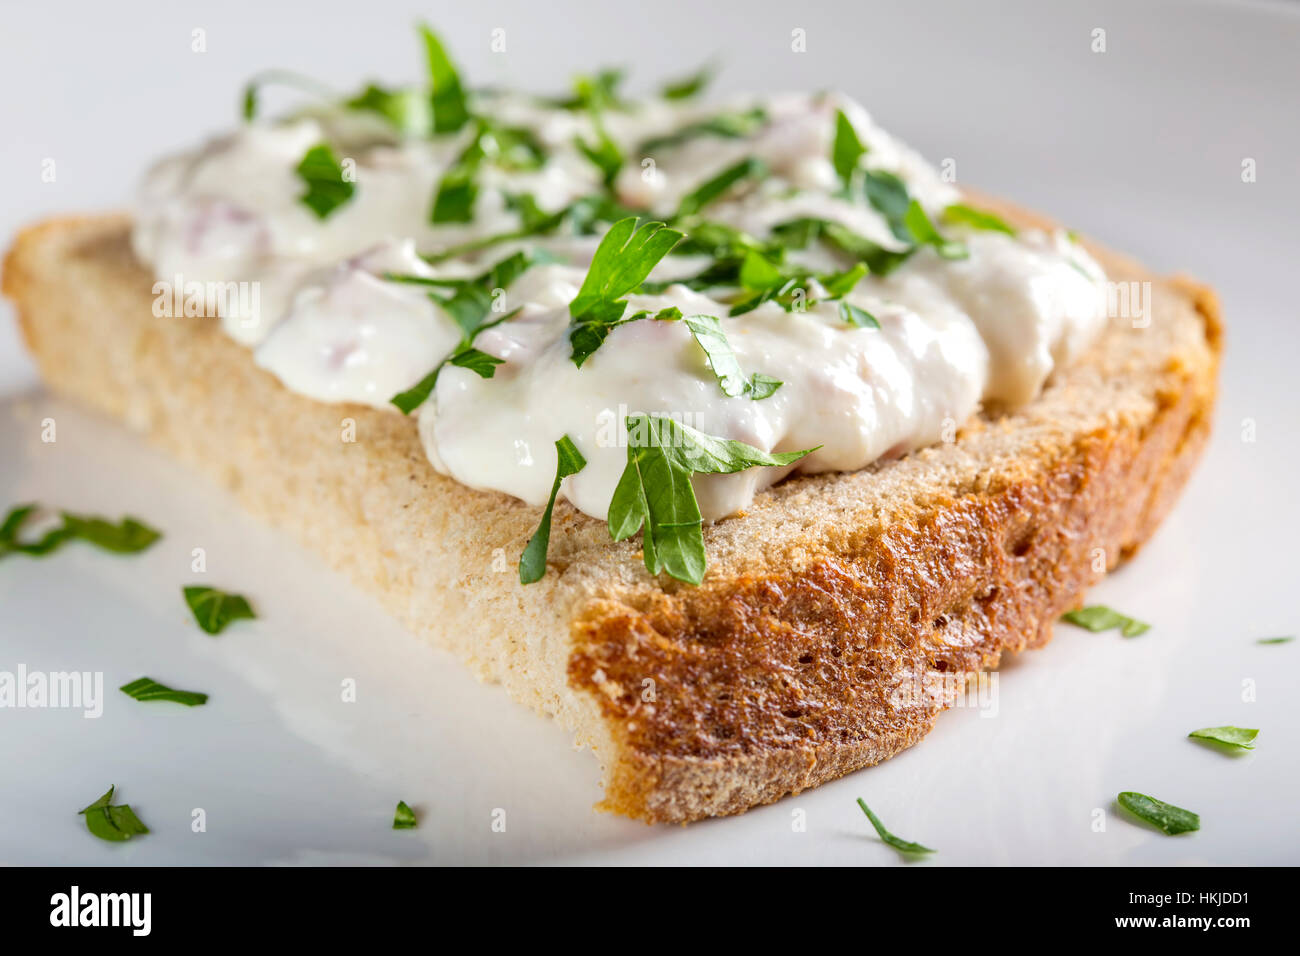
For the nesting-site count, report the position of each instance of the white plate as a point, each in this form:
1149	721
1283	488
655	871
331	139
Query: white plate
1141	146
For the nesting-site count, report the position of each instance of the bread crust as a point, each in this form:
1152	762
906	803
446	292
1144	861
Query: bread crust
839	615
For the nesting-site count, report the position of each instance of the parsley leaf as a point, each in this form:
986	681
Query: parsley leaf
977	218
128	536
403	817
1240	737
888	195
1275	640
146	688
655	490
406	110
115	824
532	563
725	125
799	233
902	846
446	96
847	149
327	190
623	260
1098	617
688	86
711	189
457	189
1164	816
214	609
857	316
604	154
922	229
707	330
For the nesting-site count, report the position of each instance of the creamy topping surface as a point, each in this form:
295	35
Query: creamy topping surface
331	322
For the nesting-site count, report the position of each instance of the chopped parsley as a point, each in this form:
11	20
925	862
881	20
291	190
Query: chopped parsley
114	823
1275	640
964	215
446	96
469	307
1163	816
711	189
403	817
457	189
923	231
724	125
128	536
1239	737
327	190
689	86
1098	617
847	149
902	846
857	316
888	195
532	563
708	333
655	490
146	688
623	260
215	610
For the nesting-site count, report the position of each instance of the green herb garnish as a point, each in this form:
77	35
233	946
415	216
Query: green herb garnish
902	846
799	233
457	189
688	86
857	316
403	817
1275	640
708	333
1164	816
655	490
127	536
532	563
446	96
623	260
977	219
715	187
1240	737
146	688
888	195
407	111
327	190
847	149
113	823
925	234
1098	617
214	610
724	125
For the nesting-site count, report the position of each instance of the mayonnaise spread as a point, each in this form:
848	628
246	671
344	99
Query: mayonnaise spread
330	322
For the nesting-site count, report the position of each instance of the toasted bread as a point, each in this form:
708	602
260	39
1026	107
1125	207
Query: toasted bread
824	603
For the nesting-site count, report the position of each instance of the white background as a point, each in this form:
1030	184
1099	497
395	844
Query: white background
1140	146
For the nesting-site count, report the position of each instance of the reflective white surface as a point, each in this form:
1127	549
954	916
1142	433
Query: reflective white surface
1141	146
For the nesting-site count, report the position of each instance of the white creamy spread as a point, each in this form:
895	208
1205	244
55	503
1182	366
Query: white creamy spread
953	333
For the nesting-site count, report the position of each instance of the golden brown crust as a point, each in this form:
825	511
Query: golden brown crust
838	616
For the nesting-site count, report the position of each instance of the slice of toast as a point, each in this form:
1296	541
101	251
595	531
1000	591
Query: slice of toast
839	614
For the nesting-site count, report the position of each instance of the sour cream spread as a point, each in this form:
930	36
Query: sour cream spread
331	324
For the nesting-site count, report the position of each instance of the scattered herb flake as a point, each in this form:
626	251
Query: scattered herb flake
532	563
902	846
403	817
1098	617
214	610
327	190
1240	737
115	824
1164	816
146	688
